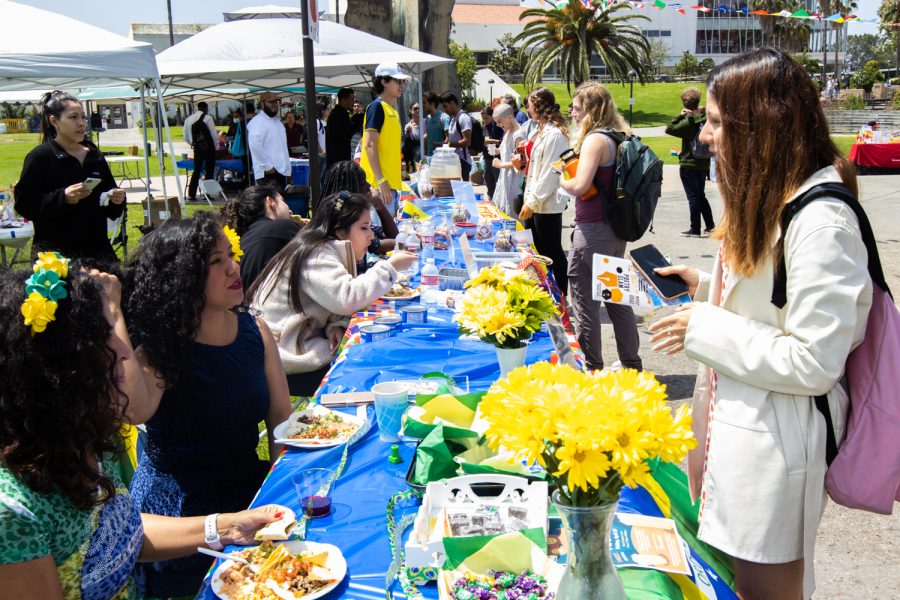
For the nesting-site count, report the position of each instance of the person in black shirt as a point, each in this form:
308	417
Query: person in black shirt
263	220
66	187
340	129
493	135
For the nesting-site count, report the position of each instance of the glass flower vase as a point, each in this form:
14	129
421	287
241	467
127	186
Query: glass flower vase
590	574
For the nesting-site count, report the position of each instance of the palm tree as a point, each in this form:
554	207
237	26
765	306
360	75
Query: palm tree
767	22
792	34
573	33
889	13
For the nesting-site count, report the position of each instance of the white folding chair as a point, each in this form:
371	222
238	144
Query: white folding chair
211	190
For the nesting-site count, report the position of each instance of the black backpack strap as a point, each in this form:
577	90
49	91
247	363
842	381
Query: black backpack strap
827	190
831	448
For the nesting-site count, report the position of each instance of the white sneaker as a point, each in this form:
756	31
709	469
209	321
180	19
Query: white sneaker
616	366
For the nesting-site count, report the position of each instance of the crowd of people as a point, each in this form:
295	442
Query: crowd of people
216	320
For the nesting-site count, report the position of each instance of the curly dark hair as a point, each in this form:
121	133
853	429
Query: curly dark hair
544	103
163	290
248	208
59	403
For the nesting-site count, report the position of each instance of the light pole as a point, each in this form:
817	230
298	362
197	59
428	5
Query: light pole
491	92
631	75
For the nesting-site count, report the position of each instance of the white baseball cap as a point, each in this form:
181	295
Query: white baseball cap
391	70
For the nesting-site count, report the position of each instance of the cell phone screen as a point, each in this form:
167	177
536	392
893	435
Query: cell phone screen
91	182
647	258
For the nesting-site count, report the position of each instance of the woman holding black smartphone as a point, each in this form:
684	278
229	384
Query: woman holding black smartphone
594	111
66	187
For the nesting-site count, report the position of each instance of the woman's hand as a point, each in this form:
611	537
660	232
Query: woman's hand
516	160
335	335
526	213
240	528
497	163
690	275
77	192
116	195
669	332
112	289
401	260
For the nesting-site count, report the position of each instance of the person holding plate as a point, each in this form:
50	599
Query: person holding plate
68	527
213	374
308	291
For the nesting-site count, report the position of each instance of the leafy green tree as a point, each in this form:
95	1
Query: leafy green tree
809	63
656	56
869	46
889	13
705	65
507	59
465	65
792	35
866	77
687	65
572	33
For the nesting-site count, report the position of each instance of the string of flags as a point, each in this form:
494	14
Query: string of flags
680	8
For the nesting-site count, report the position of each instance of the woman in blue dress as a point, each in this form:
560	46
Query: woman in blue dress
213	374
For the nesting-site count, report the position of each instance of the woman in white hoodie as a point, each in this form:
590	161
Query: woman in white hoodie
308	291
544	206
759	468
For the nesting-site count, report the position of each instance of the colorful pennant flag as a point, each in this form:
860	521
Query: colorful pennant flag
659	4
674	151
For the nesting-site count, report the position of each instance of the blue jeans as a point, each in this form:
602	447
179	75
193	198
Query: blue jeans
694	182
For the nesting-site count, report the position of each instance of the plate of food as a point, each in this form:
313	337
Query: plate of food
287	570
400	292
317	427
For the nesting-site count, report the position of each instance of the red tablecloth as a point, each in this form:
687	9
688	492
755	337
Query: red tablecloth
885	156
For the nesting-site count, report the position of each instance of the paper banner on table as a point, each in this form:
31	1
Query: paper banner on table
412	211
647	543
616	280
483	460
514	551
459	410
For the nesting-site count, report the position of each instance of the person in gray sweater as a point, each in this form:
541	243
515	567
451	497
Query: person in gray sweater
310	289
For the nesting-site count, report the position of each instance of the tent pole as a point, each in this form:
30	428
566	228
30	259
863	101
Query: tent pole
147	199
251	180
312	113
172	157
157	128
421	113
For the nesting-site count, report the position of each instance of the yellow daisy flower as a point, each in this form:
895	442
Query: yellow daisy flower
235	240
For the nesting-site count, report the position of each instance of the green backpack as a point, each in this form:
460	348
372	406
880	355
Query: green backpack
638	187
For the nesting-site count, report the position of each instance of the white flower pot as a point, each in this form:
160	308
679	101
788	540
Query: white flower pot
510	358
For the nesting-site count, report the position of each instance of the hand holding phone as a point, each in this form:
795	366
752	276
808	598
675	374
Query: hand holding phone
92	182
648	259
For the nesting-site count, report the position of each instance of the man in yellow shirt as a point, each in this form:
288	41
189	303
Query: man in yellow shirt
382	135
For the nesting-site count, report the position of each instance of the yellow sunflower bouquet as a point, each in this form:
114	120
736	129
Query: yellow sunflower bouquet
503	307
592	432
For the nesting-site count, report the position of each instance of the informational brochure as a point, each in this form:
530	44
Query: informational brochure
648	543
618	281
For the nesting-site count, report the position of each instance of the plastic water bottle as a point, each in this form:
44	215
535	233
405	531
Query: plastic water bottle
429	285
427	231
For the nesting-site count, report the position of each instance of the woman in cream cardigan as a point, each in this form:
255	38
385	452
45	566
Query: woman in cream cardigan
308	291
544	206
760	466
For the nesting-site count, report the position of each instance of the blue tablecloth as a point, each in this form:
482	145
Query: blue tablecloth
357	524
235	165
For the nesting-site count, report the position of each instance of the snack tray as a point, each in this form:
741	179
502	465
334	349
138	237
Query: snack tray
425	546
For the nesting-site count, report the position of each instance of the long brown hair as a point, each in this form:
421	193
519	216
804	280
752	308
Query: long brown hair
544	103
600	111
774	137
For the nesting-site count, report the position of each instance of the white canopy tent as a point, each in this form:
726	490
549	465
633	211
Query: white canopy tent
44	50
267	11
267	53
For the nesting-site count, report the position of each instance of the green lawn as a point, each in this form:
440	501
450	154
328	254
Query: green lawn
654	103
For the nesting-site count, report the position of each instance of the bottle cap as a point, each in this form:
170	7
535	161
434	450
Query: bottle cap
395	457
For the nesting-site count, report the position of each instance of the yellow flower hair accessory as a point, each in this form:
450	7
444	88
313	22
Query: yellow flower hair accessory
45	288
235	240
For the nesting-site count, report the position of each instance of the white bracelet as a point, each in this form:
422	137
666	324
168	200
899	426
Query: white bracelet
212	532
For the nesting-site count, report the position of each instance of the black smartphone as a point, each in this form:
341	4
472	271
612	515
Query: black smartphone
647	259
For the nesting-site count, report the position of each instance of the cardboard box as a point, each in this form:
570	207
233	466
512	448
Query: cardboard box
162	208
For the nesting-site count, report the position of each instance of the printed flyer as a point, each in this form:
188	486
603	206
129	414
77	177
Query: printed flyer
647	542
617	280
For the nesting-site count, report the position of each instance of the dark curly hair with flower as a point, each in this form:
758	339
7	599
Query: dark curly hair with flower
163	290
59	404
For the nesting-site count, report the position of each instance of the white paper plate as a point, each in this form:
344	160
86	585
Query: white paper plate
281	435
401	298
336	564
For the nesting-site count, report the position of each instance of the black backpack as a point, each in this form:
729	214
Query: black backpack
476	146
638	180
201	137
699	149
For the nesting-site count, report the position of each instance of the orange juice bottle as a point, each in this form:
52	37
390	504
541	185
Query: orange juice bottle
570	168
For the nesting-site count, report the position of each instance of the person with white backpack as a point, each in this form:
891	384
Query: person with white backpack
760	466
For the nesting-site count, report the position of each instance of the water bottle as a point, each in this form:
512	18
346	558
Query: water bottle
427	230
429	285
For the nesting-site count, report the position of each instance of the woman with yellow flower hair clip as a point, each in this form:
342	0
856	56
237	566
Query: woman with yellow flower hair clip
68	527
216	374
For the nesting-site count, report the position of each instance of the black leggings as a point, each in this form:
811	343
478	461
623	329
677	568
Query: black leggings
547	232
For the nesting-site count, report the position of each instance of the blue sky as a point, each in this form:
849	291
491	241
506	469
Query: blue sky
117	15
